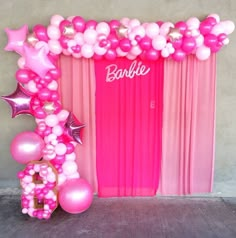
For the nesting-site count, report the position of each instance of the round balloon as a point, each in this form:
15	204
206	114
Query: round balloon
26	147
75	196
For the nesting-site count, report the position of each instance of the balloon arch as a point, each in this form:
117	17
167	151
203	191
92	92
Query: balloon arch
48	152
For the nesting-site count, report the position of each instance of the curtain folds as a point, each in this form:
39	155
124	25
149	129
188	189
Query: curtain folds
122	138
188	126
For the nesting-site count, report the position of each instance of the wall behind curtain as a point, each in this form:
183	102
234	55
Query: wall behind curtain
13	15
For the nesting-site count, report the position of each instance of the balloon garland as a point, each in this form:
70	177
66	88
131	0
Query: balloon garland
48	152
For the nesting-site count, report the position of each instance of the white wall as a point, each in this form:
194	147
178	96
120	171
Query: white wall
15	13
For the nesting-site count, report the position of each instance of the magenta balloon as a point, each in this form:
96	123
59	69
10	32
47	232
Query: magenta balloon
189	44
125	45
145	43
210	40
26	147
91	24
179	55
110	55
78	23
23	75
182	26
177	43
63	24
112	38
41	32
75	196
114	24
205	27
152	54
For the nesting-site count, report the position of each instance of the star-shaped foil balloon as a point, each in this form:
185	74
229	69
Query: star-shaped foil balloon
19	101
74	127
174	34
16	39
69	31
37	60
122	31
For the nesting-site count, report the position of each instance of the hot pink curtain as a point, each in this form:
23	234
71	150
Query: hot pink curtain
128	128
77	86
188	126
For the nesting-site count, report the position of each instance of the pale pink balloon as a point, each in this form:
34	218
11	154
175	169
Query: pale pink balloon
60	149
193	23
21	62
152	30
62	115
51	120
26	147
99	50
134	23
203	52
53	32
165	28
55	47
159	42
53	85
90	36
228	27
69	167
87	51
56	20
103	28
31	85
75	196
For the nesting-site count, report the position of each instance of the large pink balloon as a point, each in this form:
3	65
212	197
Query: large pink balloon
26	147
75	196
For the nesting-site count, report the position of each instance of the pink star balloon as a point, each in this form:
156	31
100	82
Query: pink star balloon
16	39
19	101
38	61
74	127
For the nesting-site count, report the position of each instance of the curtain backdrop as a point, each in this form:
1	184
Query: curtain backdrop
188	126
128	126
188	123
77	88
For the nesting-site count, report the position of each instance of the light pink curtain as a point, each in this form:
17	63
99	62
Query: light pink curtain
188	126
128	129
77	86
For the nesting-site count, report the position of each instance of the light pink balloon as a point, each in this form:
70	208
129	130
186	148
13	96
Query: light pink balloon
87	51
21	62
51	120
55	47
103	28
26	147
60	149
159	42
62	115
228	27
193	23
56	20
75	196
90	36
69	167
203	52
53	32
152	30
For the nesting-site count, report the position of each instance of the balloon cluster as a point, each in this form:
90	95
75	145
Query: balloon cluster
58	131
130	38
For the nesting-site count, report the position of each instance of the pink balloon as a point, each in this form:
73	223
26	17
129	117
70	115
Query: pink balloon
41	32
23	76
189	44
27	146
125	45
179	55
205	27
63	24
210	40
152	54
75	196
56	20
182	26
112	38
203	52
53	32
145	43
114	24
91	24
110	54
78	23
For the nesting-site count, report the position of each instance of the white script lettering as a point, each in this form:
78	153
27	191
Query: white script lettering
135	69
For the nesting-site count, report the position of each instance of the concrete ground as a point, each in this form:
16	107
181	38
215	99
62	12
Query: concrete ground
169	217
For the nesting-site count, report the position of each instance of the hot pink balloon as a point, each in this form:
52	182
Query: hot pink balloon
78	23
41	32
75	196
26	147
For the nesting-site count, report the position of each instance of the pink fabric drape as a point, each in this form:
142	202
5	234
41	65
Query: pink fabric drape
77	86
188	126
128	128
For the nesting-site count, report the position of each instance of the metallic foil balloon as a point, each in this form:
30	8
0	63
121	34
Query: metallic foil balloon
19	101
38	61
122	31
74	127
49	107
16	39
32	39
174	34
69	31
